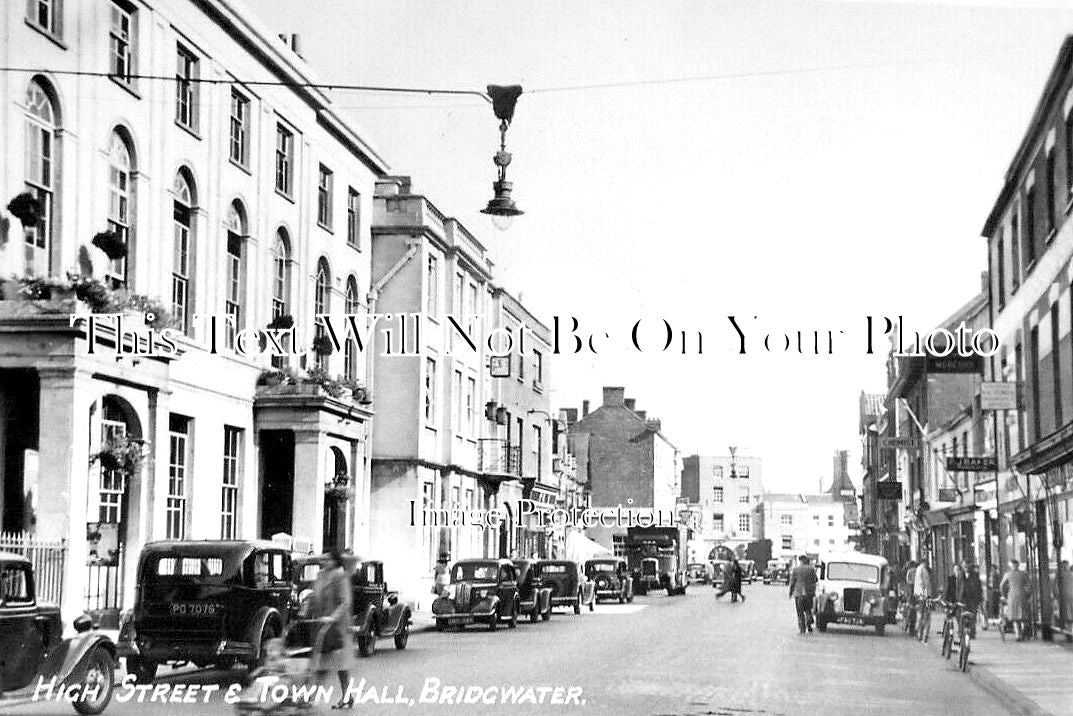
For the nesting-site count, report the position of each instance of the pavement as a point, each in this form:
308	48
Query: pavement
690	655
1034	678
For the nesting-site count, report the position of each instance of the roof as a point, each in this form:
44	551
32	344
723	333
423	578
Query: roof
233	548
1031	137
859	557
795	497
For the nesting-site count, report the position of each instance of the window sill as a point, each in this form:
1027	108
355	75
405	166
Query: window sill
1050	236
192	131
48	34
241	166
126	86
325	227
288	197
356	247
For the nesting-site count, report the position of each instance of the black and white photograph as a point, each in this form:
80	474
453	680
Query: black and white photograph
608	358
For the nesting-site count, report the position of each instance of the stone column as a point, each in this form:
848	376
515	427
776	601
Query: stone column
66	395
310	456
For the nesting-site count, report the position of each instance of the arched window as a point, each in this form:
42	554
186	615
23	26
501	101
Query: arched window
281	282
235	288
182	288
41	169
350	348
322	295
120	204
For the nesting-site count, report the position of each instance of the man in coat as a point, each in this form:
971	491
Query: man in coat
803	591
735	575
972	594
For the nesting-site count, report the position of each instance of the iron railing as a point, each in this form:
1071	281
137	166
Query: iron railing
47	557
497	456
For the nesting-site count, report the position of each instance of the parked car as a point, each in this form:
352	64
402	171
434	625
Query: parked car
610	578
378	613
209	602
748	570
481	590
698	572
852	589
32	646
777	572
534	598
569	585
719	572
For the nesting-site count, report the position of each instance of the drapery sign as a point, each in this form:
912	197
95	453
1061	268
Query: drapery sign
102	540
998	395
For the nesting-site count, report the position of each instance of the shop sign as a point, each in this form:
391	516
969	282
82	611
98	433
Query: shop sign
948	494
998	395
971	463
899	443
102	543
499	366
955	364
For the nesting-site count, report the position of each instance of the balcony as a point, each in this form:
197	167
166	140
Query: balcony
499	457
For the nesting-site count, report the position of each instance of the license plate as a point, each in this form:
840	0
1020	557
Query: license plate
857	621
194	609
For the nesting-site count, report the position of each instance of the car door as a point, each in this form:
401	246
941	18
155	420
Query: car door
21	645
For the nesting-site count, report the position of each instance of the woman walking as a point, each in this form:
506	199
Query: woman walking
333	598
1013	586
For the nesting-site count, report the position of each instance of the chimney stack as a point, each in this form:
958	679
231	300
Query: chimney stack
630	403
641	413
584	408
568	415
654	424
614	396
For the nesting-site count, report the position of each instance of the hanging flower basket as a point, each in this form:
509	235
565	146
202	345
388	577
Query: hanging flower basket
281	323
322	345
121	455
338	487
111	244
26	208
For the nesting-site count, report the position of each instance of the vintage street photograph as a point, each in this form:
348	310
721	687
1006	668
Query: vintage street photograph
611	358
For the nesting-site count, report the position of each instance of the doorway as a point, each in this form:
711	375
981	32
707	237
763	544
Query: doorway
277	484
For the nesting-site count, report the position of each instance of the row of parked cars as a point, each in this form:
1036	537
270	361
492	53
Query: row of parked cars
220	603
491	591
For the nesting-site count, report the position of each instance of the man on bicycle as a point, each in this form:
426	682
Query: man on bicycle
922	593
972	593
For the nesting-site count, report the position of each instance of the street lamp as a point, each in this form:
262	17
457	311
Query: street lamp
501	207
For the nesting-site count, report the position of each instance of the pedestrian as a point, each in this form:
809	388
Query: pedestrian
440	577
333	598
972	595
1064	594
1013	588
732	581
922	592
954	582
907	595
803	592
994	595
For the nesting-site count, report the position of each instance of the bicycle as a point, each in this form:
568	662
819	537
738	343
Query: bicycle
905	614
960	615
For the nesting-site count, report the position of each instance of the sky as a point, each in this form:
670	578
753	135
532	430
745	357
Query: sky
799	166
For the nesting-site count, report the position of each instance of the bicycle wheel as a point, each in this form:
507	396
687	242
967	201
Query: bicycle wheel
963	655
948	639
1002	628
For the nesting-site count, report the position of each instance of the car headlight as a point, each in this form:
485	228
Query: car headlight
451	591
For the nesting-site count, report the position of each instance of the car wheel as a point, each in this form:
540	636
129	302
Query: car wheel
441	625
513	623
821	625
547	614
577	604
493	621
629	597
143	670
268	633
403	634
98	681
881	629
622	598
367	643
592	604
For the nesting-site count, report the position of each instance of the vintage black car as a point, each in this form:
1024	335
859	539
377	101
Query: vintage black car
32	647
777	572
212	602
697	572
569	585
534	599
610	578
481	590
378	613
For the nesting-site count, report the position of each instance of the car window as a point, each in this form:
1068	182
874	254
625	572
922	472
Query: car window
309	572
480	572
506	574
190	567
268	569
15	585
603	567
554	569
852	572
